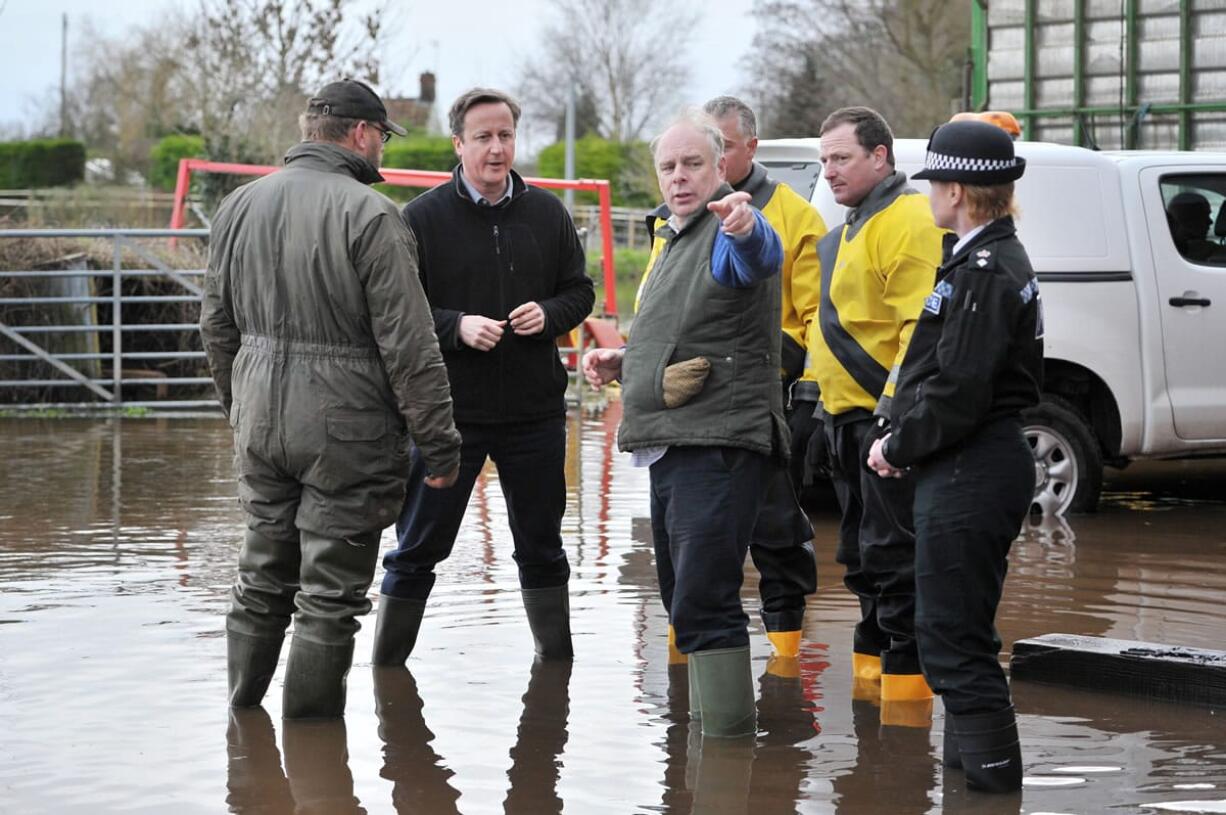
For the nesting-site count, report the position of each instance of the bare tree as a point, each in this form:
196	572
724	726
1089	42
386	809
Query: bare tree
237	72
626	58
250	63
902	57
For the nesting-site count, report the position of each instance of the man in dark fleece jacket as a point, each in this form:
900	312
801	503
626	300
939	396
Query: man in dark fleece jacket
504	273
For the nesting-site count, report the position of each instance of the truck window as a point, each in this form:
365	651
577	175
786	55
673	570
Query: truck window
801	176
1196	214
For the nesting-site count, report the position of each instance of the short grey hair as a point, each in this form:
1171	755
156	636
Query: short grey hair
700	121
326	128
722	106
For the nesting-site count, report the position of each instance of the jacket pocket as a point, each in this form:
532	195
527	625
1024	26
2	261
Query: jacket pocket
643	374
356	425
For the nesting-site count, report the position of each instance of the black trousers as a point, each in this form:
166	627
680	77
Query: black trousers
876	545
704	501
531	459
782	550
970	503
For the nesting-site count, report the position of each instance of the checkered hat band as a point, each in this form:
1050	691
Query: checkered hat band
940	161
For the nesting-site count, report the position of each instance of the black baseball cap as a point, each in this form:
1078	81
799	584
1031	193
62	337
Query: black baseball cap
352	99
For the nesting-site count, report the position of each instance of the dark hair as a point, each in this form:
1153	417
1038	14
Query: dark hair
871	128
323	127
721	106
478	96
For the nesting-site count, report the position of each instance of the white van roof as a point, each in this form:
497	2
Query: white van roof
1070	203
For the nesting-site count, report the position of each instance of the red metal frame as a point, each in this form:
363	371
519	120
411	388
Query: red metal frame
423	178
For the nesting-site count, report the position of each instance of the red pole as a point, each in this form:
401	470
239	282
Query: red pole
606	246
182	183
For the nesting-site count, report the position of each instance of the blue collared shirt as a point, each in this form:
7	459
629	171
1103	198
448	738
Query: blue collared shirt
480	199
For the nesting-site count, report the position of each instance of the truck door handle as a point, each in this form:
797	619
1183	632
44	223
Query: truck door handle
1182	302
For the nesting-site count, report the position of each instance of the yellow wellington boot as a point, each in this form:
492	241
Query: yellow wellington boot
906	713
783	667
865	677
906	700
675	657
787	643
904	688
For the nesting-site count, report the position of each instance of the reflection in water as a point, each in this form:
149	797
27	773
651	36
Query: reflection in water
894	759
255	780
421	782
537	753
117	548
316	780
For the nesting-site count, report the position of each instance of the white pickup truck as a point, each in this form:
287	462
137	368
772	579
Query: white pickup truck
1130	250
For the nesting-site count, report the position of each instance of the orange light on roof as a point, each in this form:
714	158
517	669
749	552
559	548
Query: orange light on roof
1003	119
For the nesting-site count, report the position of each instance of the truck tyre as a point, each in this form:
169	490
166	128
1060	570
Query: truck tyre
1068	463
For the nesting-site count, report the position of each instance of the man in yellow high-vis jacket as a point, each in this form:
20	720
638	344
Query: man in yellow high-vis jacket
877	268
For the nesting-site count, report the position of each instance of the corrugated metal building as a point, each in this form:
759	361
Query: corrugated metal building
1143	74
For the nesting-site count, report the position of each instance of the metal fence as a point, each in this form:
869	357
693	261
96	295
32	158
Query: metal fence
54	319
82	372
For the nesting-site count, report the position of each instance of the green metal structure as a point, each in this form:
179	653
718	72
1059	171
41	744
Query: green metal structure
1111	73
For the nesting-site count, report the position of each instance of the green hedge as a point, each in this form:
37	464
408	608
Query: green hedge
417	153
627	167
628	266
165	155
41	163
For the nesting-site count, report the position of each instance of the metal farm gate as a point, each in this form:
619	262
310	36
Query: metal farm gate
50	325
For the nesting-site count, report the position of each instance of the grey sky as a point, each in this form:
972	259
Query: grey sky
465	42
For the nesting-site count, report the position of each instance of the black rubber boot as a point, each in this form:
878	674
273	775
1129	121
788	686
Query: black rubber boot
396	630
991	753
250	664
549	618
950	756
315	680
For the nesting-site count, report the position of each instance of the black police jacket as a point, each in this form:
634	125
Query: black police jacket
977	351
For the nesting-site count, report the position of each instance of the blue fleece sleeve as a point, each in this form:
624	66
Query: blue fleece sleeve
741	263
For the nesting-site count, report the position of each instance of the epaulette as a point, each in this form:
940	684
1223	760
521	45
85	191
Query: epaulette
984	257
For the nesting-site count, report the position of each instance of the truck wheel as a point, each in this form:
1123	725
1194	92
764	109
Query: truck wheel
1068	464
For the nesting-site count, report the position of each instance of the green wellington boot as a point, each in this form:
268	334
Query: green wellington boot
724	684
396	630
250	664
315	679
549	618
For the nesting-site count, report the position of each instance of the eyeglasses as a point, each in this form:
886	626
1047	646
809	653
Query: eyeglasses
384	133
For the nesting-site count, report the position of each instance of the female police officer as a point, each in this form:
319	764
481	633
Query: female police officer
974	362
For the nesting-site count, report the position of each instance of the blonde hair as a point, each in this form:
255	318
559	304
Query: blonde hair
988	202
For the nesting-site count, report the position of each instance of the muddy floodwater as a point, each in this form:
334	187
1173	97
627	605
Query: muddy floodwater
117	547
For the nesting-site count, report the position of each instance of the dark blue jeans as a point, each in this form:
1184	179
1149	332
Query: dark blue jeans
531	459
704	501
970	502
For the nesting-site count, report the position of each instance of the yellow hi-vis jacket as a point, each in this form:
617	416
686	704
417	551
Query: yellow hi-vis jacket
799	226
876	271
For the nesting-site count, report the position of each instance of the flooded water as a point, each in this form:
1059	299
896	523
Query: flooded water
117	547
